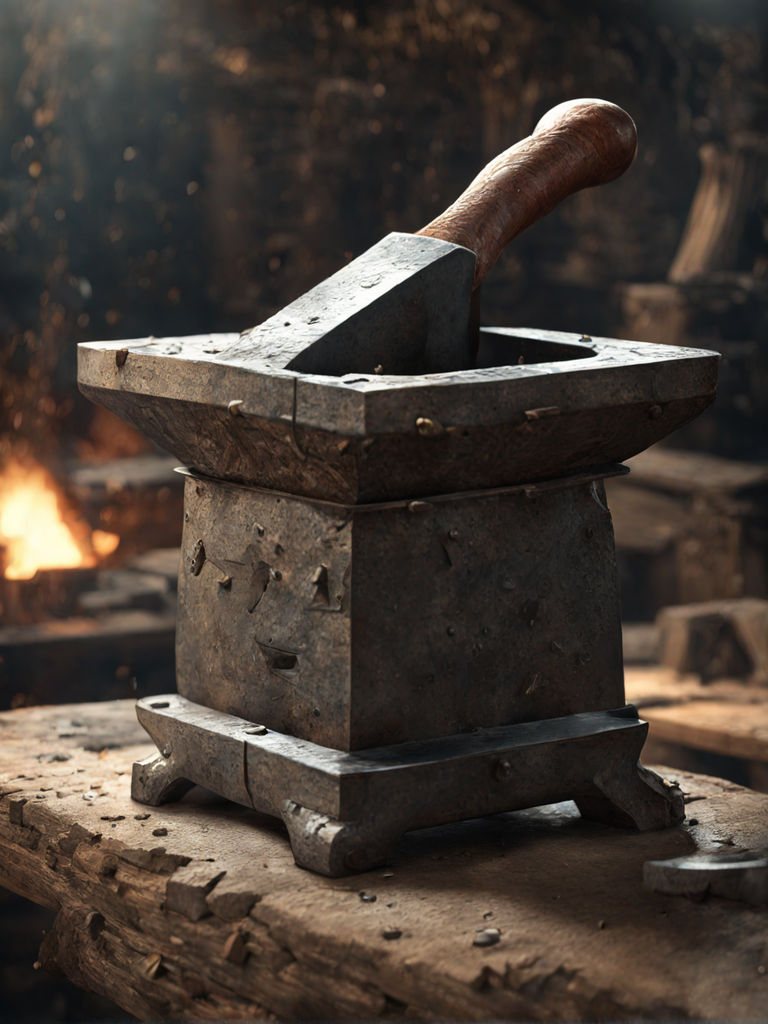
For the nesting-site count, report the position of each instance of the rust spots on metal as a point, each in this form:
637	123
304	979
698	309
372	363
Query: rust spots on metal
120	357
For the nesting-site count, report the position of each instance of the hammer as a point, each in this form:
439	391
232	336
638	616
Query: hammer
405	306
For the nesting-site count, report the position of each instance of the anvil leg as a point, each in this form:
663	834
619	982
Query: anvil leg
627	794
336	848
346	811
157	780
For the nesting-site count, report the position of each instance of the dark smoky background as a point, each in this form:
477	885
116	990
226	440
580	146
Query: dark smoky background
183	167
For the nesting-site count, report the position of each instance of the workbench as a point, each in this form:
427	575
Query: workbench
197	909
727	719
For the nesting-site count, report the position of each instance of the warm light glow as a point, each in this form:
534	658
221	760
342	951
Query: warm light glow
104	543
32	529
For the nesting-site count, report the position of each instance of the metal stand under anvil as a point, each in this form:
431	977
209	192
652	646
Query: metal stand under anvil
398	601
345	811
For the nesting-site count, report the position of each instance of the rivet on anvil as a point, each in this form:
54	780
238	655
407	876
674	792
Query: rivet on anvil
198	559
502	770
429	427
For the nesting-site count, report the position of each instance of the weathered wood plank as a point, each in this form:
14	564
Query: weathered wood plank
689	528
716	639
580	938
727	717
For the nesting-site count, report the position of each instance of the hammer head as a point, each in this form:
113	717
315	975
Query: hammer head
403	306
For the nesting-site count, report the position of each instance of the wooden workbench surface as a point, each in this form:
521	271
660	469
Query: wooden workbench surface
726	717
196	909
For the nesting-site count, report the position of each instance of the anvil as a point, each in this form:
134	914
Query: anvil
398	599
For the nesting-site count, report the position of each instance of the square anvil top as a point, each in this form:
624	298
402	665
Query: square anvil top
539	405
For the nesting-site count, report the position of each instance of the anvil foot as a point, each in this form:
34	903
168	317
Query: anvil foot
345	811
336	848
630	795
156	780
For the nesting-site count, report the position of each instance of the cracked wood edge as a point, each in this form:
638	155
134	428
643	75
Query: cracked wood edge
115	934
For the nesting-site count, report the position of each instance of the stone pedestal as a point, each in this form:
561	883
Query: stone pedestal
358	626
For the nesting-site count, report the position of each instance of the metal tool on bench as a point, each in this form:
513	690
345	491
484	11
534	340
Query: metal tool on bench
398	602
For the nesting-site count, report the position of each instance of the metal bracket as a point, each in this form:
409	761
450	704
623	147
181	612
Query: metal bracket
345	811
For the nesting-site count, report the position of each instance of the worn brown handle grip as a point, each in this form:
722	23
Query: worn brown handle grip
576	145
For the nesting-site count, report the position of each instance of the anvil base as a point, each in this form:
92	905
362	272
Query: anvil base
345	811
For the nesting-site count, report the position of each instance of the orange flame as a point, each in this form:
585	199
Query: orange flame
33	531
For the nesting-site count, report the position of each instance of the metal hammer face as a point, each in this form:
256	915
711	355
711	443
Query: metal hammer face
404	306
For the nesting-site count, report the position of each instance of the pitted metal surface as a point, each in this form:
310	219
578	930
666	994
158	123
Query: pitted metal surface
356	626
573	402
403	306
345	811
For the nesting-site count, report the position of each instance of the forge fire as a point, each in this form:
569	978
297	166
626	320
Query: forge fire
37	531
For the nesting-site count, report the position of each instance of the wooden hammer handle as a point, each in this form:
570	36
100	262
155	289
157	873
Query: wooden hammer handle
576	145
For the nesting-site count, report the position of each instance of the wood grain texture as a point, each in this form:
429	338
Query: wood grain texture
580	939
726	717
576	145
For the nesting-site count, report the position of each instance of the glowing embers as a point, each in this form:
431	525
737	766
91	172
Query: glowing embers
36	529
